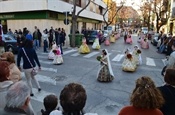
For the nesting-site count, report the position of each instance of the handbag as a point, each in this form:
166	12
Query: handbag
34	71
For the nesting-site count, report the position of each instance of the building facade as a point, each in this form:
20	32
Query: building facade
171	21
17	14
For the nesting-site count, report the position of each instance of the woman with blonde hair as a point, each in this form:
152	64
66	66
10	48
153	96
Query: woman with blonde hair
145	99
15	74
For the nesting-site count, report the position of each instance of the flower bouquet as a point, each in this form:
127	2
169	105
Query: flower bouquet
99	58
129	56
139	51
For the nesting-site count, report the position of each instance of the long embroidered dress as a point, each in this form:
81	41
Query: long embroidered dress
84	47
104	74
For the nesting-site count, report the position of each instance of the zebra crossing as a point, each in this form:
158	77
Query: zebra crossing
114	57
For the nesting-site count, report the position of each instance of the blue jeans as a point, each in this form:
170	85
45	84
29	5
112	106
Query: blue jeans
45	45
36	44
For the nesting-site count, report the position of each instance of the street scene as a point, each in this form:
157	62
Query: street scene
102	98
87	57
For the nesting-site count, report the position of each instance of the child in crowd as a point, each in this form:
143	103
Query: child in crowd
50	103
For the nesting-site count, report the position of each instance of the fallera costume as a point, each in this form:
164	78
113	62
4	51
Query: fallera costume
58	59
96	44
144	43
105	73
129	39
112	38
107	43
137	56
129	64
84	49
51	54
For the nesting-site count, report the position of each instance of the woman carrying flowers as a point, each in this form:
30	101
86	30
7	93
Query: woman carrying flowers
144	44
128	63
137	55
58	59
96	44
105	73
84	49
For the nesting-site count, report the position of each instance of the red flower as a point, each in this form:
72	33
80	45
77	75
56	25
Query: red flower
129	56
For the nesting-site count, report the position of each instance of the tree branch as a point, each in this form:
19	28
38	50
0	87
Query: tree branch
89	1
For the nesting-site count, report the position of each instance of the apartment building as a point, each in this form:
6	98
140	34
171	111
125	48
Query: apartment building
17	14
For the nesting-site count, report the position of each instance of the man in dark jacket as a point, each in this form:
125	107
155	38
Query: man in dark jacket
59	39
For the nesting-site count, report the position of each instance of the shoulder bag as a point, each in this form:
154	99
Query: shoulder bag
34	71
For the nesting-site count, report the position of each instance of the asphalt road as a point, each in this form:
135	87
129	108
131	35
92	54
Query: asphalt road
102	98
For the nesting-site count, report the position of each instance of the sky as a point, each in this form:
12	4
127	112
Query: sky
134	3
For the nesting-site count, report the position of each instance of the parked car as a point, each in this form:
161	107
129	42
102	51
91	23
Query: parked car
155	40
10	43
90	36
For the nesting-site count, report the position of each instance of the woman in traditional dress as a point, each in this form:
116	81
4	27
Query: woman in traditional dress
137	55
51	54
96	44
145	44
112	38
84	47
128	63
129	39
107	43
105	74
58	59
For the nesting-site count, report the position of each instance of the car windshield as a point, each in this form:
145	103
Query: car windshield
94	32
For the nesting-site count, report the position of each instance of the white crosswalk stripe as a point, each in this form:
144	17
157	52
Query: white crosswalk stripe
75	54
91	54
118	57
69	51
150	61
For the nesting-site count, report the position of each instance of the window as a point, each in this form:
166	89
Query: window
78	2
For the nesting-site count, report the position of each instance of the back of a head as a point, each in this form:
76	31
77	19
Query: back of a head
169	77
17	95
73	99
5	71
50	102
9	57
28	43
146	95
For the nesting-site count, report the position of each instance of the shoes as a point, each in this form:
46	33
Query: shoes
31	94
39	89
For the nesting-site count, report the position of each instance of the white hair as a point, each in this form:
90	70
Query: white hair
17	94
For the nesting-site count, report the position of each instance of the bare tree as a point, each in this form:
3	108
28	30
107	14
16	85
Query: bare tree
74	19
109	7
161	10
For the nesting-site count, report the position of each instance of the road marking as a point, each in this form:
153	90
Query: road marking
44	53
150	62
45	62
118	57
69	51
42	78
39	96
90	54
39	56
49	69
75	54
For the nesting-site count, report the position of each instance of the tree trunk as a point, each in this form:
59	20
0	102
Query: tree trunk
74	20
